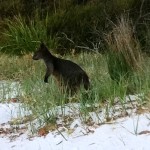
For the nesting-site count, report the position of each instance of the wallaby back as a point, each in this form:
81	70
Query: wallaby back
68	74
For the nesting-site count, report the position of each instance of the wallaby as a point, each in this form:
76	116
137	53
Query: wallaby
68	74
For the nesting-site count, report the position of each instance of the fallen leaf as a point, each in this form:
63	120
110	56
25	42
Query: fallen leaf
14	100
141	110
108	119
2	131
144	132
42	132
45	130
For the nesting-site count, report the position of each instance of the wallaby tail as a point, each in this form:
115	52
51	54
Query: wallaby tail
86	82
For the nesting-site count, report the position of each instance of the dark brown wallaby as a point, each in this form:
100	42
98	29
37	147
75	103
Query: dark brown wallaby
67	73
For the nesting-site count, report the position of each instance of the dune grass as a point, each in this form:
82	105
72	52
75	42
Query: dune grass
42	99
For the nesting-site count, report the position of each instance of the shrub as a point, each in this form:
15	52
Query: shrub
76	25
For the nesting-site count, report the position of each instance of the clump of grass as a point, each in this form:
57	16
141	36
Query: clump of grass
42	99
22	37
124	56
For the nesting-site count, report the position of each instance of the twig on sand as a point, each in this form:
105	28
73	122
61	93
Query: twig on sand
61	134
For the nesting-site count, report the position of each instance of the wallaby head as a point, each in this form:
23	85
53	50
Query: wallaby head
41	52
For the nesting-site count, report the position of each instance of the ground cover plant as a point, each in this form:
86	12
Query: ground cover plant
111	48
42	99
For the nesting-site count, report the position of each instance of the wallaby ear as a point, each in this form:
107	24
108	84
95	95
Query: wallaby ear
43	46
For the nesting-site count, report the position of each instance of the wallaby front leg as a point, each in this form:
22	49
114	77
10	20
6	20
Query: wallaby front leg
49	71
46	76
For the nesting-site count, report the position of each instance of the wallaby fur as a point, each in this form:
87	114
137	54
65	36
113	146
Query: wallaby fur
68	74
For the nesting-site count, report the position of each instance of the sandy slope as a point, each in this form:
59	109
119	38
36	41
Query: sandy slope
121	134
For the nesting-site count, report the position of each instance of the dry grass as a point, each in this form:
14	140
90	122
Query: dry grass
124	56
16	68
122	41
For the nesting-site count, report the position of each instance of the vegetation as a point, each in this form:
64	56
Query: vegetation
112	37
124	56
68	24
42	99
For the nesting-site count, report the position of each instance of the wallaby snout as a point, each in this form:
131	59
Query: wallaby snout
34	57
37	55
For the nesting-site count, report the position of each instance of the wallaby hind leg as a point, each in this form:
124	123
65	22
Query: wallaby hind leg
86	82
46	77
